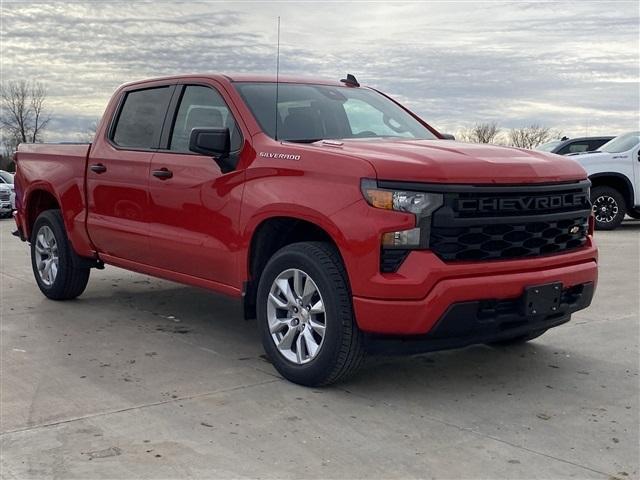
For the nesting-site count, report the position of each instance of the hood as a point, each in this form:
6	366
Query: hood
445	161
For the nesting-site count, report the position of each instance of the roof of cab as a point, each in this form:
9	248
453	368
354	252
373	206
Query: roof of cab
241	77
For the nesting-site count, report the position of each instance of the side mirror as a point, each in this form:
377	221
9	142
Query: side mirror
447	136
213	142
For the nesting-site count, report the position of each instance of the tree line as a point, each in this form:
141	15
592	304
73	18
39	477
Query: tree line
23	116
525	137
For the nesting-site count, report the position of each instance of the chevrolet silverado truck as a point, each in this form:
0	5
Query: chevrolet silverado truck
344	223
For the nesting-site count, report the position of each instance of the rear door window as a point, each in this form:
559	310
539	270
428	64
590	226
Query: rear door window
141	117
596	144
574	147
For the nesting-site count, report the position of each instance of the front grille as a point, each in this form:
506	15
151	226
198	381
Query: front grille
5	196
491	223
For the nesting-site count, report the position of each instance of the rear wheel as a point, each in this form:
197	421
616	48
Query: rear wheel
52	259
305	315
609	207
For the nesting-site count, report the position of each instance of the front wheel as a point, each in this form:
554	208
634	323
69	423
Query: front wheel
609	207
51	259
305	315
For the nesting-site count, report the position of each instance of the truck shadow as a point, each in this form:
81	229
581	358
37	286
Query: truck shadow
210	322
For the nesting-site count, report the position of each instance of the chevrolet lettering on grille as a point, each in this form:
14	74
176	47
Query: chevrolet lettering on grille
523	204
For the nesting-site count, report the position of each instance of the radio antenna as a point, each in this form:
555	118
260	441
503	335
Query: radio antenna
277	79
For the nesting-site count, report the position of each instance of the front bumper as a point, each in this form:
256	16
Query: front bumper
6	207
478	281
484	321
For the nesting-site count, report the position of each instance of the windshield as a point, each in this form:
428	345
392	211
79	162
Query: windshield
6	177
547	147
622	143
308	113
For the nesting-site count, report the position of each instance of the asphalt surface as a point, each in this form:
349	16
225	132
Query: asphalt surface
142	378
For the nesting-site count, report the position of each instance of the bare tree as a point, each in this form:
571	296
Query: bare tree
9	145
40	116
531	136
24	116
480	133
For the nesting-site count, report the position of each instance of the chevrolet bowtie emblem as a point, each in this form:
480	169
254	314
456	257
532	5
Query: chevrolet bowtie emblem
574	229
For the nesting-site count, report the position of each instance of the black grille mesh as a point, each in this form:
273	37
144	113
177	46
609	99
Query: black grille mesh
508	240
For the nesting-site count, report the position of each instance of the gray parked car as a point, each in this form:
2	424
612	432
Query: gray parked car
7	194
567	146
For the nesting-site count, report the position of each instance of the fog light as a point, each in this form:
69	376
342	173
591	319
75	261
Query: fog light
402	239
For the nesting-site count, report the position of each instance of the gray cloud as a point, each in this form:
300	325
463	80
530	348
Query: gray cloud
569	65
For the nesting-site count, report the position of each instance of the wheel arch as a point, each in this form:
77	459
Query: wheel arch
268	236
37	200
615	180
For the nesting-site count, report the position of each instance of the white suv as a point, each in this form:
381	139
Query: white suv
614	171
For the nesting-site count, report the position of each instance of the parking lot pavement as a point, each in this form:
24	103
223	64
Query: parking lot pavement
142	378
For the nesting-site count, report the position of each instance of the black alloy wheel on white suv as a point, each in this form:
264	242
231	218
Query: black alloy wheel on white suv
609	207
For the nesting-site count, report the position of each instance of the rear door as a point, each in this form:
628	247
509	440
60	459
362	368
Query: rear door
118	174
194	207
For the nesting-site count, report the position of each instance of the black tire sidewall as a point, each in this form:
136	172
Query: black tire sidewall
338	316
617	196
53	219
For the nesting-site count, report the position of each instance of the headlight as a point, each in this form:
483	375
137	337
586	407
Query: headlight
421	204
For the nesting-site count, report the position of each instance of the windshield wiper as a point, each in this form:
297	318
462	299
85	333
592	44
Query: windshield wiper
303	140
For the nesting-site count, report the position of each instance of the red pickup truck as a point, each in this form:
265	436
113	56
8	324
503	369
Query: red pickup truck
344	222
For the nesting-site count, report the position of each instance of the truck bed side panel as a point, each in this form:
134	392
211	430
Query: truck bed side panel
59	170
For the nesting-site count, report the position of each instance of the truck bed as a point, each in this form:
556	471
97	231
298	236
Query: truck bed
55	170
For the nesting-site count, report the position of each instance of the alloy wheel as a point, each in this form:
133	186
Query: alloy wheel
605	208
46	255
296	316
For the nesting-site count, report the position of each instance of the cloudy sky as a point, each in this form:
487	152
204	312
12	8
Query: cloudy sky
573	66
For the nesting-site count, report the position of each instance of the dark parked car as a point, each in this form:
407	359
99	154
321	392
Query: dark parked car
567	146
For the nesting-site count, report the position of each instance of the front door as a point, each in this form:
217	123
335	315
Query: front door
194	207
118	175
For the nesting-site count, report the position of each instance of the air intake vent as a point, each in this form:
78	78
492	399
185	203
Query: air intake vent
391	259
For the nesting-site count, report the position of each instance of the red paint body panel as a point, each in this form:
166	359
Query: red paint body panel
58	170
197	227
417	317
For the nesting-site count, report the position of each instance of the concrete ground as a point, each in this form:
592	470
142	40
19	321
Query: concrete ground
142	378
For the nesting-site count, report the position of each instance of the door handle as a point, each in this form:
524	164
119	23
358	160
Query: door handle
162	174
98	168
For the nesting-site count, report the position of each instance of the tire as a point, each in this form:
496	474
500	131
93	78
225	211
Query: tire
609	207
518	340
634	213
49	238
340	350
